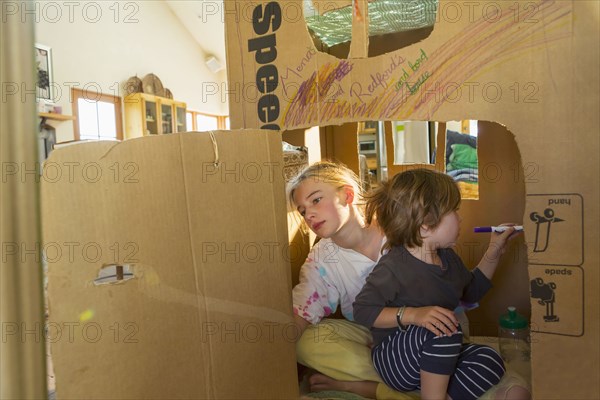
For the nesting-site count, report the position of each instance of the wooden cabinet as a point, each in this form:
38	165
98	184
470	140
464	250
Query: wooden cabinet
146	114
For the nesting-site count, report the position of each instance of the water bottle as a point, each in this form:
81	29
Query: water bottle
514	341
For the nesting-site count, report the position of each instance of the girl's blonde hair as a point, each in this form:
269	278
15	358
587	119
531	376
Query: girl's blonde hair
408	201
335	174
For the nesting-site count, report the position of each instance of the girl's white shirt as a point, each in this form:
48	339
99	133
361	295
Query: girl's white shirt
331	276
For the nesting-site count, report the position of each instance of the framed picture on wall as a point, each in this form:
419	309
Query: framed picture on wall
43	61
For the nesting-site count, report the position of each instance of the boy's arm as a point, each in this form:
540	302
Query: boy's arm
438	320
379	290
497	247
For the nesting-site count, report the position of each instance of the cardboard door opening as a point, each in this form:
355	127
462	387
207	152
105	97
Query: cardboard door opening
501	198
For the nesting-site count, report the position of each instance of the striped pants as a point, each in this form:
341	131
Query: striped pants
473	369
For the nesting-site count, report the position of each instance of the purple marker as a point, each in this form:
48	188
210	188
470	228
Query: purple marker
499	229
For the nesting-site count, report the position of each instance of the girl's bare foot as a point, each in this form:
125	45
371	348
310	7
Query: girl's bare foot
514	393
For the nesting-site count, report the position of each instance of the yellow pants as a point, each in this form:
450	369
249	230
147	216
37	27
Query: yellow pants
341	350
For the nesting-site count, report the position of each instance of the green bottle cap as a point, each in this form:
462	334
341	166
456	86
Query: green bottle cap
513	320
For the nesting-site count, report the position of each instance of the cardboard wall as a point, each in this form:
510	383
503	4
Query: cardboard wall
501	199
342	144
530	66
207	311
300	241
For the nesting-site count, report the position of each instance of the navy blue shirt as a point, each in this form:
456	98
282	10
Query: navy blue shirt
400	279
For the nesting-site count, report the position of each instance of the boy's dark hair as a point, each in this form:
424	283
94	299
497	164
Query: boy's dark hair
409	200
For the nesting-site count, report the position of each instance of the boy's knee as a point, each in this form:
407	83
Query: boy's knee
440	354
431	338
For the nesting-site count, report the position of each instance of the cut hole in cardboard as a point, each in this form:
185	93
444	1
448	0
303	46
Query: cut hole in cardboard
393	24
416	142
114	273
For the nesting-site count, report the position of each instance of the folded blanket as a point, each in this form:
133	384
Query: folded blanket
463	157
464	175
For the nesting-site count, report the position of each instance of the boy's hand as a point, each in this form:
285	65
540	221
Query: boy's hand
438	320
499	241
497	247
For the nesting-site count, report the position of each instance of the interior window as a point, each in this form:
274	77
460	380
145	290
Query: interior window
202	122
98	115
189	120
206	122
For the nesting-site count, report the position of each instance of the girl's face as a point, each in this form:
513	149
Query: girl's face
324	207
446	233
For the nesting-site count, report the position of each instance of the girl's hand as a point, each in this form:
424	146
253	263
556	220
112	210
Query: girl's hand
438	320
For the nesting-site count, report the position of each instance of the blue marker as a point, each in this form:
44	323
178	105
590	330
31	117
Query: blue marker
499	229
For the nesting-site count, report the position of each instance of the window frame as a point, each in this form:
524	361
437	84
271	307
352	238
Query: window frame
221	125
77	94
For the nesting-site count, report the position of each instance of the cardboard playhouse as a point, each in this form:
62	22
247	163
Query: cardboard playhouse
168	268
528	71
169	258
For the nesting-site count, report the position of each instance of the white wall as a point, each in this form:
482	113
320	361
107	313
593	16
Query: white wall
100	44
411	144
455	126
